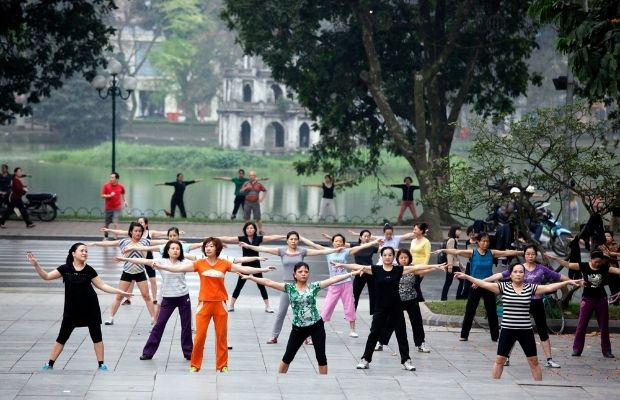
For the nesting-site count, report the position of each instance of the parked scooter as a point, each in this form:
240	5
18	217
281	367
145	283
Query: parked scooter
557	237
41	205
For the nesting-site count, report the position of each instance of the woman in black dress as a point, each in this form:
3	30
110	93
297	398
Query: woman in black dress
81	302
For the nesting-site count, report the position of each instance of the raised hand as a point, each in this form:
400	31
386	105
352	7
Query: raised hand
33	260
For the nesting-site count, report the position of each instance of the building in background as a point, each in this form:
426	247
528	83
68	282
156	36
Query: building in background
257	113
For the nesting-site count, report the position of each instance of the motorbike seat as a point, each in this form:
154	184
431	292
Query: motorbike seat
40	196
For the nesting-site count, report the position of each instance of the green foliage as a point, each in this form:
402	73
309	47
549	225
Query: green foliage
591	39
196	48
546	149
46	42
355	66
146	156
78	113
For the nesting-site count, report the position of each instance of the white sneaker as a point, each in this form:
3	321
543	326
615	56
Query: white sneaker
423	348
230	346
354	334
231	309
109	322
269	310
379	347
552	364
408	365
363	365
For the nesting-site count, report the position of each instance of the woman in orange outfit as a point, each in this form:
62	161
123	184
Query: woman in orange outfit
212	297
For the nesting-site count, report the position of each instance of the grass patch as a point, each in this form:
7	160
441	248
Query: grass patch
160	157
457	307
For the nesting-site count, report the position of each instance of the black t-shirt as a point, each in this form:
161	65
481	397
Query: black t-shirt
407	191
256	241
386	284
595	280
364	256
81	302
179	188
328	192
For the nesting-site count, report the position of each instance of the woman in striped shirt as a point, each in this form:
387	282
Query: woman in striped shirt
516	324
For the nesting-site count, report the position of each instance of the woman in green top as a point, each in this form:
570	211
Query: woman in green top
306	318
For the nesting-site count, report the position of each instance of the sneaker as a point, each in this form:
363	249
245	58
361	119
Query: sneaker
507	362
109	322
308	341
30	226
193	369
354	335
168	213
46	366
233	216
269	310
231	309
609	355
552	364
423	348
378	347
103	367
576	353
230	346
408	365
127	302
462	339
363	364
273	340
145	357
224	370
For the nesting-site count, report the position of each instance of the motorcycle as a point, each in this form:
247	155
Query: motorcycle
554	234
41	205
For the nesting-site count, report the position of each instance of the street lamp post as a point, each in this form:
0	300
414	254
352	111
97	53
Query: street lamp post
129	85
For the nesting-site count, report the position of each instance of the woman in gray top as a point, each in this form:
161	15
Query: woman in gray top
290	255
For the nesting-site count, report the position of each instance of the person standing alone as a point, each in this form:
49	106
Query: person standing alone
254	195
177	197
113	194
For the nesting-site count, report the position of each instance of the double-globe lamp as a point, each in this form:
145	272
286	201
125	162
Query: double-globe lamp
113	90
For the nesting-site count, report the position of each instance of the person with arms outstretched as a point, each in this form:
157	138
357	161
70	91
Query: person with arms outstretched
177	197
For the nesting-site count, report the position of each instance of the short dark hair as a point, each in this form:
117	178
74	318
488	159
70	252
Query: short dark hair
339	235
241	170
386	248
216	242
133	225
386	227
164	253
470	229
16	169
291	233
116	175
173	229
512	266
407	252
359	241
407	178
482	235
299	265
245	226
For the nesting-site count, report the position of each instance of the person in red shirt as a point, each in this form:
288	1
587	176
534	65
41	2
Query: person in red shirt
18	189
212	298
113	194
254	195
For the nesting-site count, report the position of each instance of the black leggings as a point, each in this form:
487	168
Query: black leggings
470	312
174	202
298	334
448	282
537	309
66	328
415	317
508	338
241	283
358	286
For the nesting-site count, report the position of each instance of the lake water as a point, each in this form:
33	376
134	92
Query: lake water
78	189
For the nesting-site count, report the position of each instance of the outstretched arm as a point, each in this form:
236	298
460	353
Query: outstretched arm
241	260
136	260
185	267
343	182
229	239
355	249
260	249
264	281
271	238
506	253
310	243
47	276
101	285
250	270
312	185
494	277
552	287
324	251
104	243
564	263
423	268
367	269
222	178
455	252
492	287
335	279
114	231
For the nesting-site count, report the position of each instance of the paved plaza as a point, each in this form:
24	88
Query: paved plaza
32	311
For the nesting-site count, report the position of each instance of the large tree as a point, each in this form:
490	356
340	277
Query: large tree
46	42
390	75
